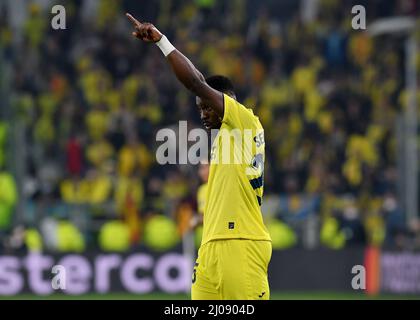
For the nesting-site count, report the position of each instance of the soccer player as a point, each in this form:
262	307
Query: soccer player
236	247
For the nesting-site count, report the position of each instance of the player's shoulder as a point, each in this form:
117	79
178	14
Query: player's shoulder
243	113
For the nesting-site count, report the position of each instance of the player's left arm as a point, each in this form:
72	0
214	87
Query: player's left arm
183	68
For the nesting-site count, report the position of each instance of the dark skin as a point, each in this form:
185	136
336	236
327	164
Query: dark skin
209	101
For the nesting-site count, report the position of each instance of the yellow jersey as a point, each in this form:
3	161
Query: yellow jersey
236	178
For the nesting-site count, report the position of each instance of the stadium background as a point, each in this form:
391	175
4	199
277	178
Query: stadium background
80	109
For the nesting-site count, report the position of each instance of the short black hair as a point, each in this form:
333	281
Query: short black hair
221	83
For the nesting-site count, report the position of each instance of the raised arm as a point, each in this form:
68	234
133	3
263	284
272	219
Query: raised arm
183	68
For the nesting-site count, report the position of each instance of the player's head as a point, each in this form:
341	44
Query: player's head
220	83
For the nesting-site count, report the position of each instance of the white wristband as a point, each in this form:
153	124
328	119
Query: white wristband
165	46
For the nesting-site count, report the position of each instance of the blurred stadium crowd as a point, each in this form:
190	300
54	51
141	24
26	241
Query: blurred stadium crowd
87	102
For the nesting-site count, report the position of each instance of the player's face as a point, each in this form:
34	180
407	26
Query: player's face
209	118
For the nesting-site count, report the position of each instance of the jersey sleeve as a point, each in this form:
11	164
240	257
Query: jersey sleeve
236	115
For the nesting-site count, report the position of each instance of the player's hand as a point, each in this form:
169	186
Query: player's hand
144	31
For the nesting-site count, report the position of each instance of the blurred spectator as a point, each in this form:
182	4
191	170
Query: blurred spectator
8	200
74	156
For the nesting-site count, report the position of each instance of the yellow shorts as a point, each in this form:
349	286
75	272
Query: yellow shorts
232	269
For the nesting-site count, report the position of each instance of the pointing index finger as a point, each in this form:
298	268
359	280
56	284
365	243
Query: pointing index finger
133	20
